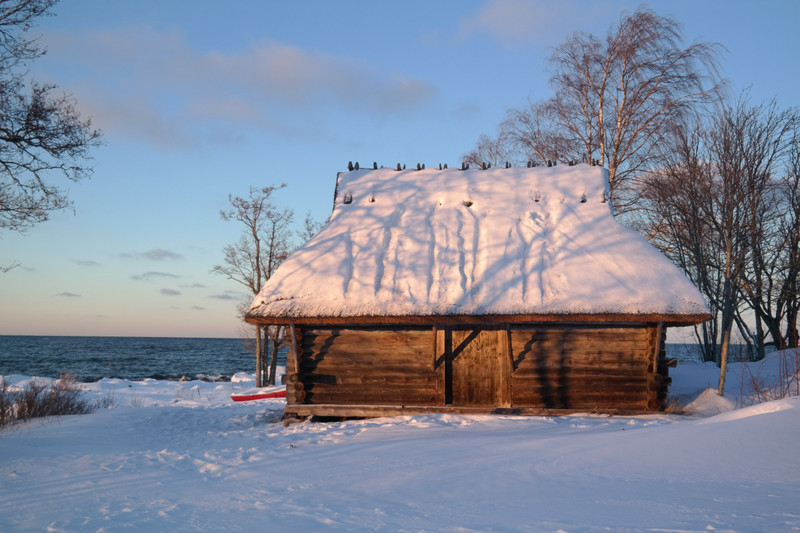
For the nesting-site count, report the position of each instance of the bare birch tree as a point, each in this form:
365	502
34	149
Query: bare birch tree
310	227
488	150
764	133
42	136
531	134
618	98
264	244
789	280
718	210
676	198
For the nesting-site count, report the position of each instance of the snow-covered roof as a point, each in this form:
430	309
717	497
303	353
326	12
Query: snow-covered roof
498	242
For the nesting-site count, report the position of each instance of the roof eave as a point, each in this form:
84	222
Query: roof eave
466	320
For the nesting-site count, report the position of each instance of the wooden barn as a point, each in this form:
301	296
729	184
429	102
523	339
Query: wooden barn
507	290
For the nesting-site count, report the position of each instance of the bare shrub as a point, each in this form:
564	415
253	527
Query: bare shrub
62	397
762	385
5	404
108	401
789	373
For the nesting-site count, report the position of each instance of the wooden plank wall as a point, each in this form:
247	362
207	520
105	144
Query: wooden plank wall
361	366
658	342
567	367
481	372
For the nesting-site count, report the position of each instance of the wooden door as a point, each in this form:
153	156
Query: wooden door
481	369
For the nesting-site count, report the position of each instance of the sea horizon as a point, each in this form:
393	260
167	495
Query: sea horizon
135	358
118	336
94	357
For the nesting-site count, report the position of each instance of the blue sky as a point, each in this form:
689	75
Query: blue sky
199	100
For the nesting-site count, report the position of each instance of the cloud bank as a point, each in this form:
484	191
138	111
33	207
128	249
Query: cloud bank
148	276
152	84
517	23
156	254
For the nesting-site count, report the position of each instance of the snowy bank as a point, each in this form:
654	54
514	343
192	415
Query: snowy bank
181	456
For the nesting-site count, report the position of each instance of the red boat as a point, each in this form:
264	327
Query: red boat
257	394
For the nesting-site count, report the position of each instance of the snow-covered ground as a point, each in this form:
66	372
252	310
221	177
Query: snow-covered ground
181	456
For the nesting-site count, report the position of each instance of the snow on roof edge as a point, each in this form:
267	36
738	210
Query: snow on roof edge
538	241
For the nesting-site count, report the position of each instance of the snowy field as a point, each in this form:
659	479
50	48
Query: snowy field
181	456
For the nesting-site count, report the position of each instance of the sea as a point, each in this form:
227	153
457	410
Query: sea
135	358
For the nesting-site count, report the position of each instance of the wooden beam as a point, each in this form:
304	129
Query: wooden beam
506	343
372	411
295	354
435	347
439	355
507	363
448	366
657	345
626	319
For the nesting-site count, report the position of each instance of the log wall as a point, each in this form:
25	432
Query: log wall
525	367
353	366
598	368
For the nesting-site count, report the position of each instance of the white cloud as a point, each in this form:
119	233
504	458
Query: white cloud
227	295
86	262
147	276
156	254
159	254
520	22
152	84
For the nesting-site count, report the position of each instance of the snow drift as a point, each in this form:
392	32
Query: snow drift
181	456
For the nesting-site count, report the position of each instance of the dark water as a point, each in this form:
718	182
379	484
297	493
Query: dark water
692	352
684	352
135	358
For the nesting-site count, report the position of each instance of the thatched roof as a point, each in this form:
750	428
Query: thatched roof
511	244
